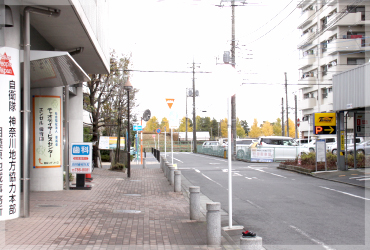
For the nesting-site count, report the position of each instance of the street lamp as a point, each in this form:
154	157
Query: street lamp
128	87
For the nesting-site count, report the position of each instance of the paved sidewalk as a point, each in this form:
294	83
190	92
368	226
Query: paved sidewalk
141	212
356	177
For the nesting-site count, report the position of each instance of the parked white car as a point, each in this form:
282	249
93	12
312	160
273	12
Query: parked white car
333	147
210	146
285	148
242	146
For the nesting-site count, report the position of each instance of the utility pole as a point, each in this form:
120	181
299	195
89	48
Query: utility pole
194	121
233	98
186	117
282	117
287	109
295	112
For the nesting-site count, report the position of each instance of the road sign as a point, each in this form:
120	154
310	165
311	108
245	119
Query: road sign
170	102
138	128
158	131
325	130
362	125
298	122
324	123
153	136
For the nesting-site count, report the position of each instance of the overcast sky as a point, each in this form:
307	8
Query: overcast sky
168	35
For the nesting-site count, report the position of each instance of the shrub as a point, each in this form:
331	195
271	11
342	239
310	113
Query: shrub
308	159
105	158
118	166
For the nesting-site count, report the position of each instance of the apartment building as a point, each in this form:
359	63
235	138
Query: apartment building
335	37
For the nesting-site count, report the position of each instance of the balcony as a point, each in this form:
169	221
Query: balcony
308	103
351	19
305	39
343	45
308	80
306	61
306	18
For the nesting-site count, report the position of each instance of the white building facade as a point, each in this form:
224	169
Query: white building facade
335	37
48	48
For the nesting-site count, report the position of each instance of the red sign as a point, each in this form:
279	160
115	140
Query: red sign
6	65
298	122
80	158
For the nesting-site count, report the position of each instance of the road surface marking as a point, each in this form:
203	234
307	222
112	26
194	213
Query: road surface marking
356	196
216	163
364	179
196	170
248	178
267	172
312	239
357	177
212	180
178	160
253	204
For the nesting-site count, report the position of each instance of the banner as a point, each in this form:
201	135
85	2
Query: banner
10	152
262	154
47	137
108	142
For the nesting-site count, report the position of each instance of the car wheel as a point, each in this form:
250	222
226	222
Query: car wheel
334	152
312	150
240	154
360	151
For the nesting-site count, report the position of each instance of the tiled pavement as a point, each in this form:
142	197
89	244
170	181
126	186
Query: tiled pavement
141	212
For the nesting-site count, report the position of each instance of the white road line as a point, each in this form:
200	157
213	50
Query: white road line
196	170
178	160
312	239
356	196
263	171
248	178
210	158
212	180
364	179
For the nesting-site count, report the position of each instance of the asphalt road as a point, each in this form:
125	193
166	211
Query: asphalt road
288	210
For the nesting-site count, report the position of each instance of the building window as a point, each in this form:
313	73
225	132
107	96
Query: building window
305	96
355	9
355	61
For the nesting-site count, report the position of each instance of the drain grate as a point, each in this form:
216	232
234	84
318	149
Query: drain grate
47	205
132	194
126	211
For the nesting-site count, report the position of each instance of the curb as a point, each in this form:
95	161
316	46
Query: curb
309	173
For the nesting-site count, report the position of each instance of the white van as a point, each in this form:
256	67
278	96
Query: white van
285	148
242	146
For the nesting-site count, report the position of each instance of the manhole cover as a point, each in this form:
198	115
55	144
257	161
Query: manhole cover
47	205
127	211
132	194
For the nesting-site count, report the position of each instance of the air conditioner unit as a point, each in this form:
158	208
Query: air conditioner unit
324	95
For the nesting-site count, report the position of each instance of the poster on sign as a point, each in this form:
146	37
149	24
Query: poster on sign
10	152
47	135
363	124
81	158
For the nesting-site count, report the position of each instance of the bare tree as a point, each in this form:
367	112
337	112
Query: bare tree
102	95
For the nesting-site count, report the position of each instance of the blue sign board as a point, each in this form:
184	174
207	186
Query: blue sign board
158	130
138	128
81	158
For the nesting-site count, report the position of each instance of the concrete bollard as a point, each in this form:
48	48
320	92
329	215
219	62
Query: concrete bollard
144	163
213	224
251	243
172	175
194	202
177	180
165	169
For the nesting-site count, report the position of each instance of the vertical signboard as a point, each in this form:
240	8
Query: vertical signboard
362	125
81	158
47	137
10	154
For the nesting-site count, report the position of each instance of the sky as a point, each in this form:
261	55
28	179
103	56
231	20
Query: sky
169	35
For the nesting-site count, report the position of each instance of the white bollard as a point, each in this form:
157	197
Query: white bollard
171	175
194	202
251	243
213	224
177	180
